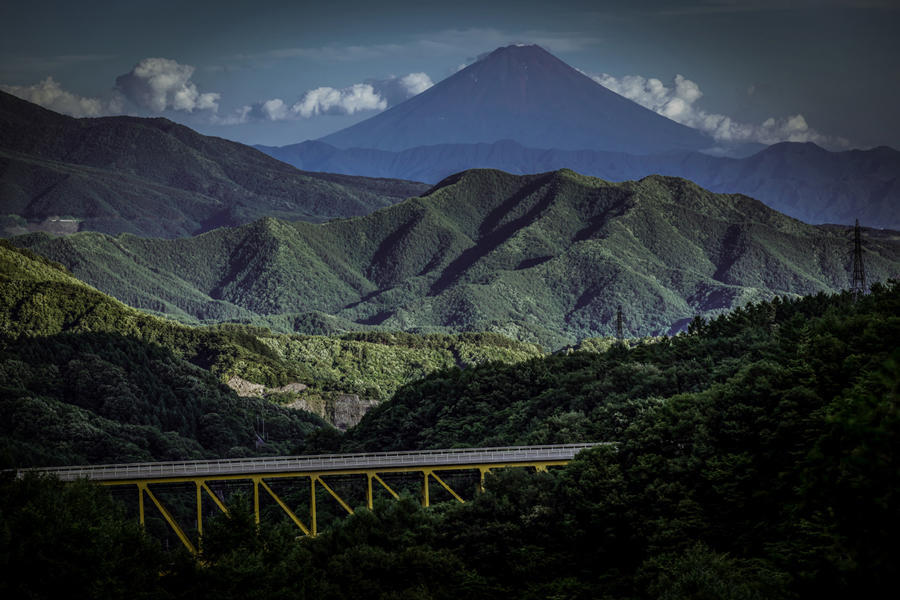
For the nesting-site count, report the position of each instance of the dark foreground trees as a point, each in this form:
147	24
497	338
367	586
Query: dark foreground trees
756	458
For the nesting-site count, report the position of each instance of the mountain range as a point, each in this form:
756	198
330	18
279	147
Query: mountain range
519	109
153	177
801	180
544	258
522	110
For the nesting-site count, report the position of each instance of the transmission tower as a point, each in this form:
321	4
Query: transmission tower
858	285
619	333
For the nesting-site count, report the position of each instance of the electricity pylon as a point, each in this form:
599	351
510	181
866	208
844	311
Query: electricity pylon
858	285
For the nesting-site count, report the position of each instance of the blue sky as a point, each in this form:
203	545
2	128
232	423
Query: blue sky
281	72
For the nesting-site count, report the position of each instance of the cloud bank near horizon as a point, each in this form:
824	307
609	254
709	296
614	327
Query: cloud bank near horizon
154	85
678	102
159	85
373	94
49	94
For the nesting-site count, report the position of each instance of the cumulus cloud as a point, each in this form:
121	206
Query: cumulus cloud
329	101
158	84
395	90
373	94
416	83
678	102
49	94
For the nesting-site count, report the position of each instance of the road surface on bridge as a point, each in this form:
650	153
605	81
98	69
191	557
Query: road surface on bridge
509	455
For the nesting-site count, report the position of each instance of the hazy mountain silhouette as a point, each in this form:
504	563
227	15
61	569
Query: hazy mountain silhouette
157	178
526	94
801	180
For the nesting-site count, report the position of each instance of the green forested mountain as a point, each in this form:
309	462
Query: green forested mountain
85	378
543	258
755	458
823	344
153	177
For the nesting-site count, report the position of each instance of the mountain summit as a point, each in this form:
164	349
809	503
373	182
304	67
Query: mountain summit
524	94
544	258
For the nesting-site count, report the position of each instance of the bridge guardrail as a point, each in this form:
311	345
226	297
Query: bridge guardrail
316	463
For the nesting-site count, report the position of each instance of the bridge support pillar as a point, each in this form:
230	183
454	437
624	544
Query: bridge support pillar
425	499
369	502
141	503
312	505
199	509
482	472
256	499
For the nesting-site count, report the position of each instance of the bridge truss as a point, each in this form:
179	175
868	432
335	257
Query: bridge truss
260	472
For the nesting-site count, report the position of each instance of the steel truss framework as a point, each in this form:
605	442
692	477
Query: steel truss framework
425	464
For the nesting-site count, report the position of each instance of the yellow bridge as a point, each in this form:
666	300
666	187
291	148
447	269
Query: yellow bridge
425	464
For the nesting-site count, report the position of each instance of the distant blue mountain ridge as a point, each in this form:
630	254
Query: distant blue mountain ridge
801	180
522	110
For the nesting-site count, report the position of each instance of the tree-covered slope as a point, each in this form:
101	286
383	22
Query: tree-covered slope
594	392
85	378
153	177
755	458
544	258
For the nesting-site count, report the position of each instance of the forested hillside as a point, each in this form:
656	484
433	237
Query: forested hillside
153	177
755	458
542	258
85	378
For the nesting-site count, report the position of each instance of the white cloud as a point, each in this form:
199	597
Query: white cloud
49	94
275	110
416	83
158	84
154	84
347	101
371	95
678	102
395	90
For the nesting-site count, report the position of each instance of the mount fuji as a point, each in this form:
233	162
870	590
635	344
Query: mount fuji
527	95
522	110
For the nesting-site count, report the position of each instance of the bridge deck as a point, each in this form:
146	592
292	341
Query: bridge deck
319	463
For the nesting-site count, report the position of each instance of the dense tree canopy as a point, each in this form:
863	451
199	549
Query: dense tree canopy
755	458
